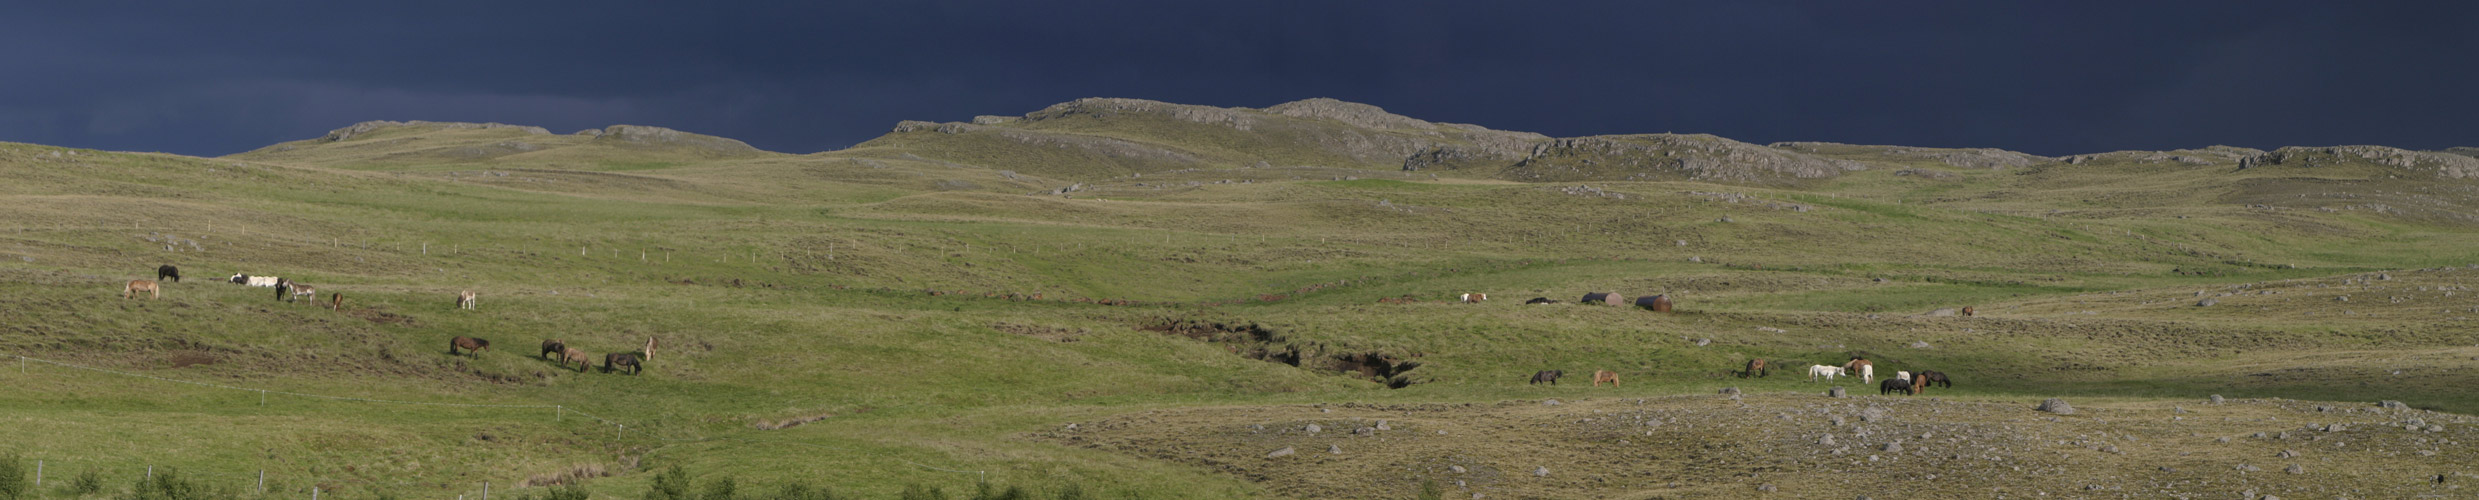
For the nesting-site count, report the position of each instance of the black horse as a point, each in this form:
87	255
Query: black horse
1934	377
621	359
168	272
1550	376
1892	385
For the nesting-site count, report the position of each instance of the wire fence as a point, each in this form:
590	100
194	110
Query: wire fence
561	412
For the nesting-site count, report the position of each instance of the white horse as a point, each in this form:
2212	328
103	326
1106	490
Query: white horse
1903	376
265	281
1827	371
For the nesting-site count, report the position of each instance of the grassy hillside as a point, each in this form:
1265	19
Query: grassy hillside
934	308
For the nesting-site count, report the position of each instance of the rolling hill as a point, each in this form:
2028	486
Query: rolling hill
1142	299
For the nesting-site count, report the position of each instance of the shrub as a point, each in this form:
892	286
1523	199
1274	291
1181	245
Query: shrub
87	483
1073	491
1429	490
984	491
12	478
801	491
721	489
916	492
168	485
671	484
567	492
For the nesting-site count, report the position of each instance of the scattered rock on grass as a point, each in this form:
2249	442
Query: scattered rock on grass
1285	452
2057	406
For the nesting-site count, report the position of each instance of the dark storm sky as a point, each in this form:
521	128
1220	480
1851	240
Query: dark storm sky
219	77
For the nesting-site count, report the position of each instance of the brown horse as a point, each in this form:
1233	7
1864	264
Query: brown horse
1599	376
1967	311
1919	383
473	346
1861	367
335	301
152	290
1926	377
552	346
574	355
1755	368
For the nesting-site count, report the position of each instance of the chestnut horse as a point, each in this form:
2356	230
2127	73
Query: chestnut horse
1599	376
1755	368
473	346
152	290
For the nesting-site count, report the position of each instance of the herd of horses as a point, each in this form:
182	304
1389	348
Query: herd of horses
290	291
1905	382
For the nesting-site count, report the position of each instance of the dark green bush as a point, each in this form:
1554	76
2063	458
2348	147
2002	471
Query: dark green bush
671	484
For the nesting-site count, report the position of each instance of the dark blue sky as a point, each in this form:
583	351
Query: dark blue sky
213	78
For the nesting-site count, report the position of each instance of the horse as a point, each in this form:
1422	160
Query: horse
1926	377
244	279
464	300
289	291
1893	384
1967	311
552	346
1919	384
473	347
131	290
630	360
1599	376
1755	368
1474	298
1550	376
1860	366
167	271
1827	371
574	355
335	301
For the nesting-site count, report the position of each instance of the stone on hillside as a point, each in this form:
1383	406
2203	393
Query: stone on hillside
1767	487
1893	447
1458	469
1540	471
1334	449
1313	428
1871	414
2286	454
2295	469
2216	399
2393	405
1365	431
1921	344
1381	425
1692	258
1730	391
2207	303
1285	452
2057	406
1836	392
1827	440
1945	312
1550	402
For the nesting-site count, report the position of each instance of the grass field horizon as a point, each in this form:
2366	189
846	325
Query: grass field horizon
936	307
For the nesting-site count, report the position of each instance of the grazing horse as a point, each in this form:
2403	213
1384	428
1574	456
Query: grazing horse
1599	376
1892	385
629	360
168	272
1967	311
464	300
473	347
574	355
1861	367
552	346
1755	368
1827	371
1926	377
244	279
335	301
152	290
1550	376
1919	383
1474	298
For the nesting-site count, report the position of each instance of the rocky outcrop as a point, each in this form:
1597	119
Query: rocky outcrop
1671	157
640	136
375	125
1350	113
2440	165
1976	158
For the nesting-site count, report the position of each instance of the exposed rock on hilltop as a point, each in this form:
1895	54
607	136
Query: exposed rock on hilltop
1117	136
1671	157
2209	155
1355	114
640	135
375	125
1980	158
2448	166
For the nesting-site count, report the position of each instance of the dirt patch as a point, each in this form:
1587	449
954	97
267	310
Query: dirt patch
1042	332
574	474
1254	341
185	359
382	317
1807	445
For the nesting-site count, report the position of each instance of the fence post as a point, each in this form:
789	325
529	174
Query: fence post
486	490
314	493
38	473
150	472
262	481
